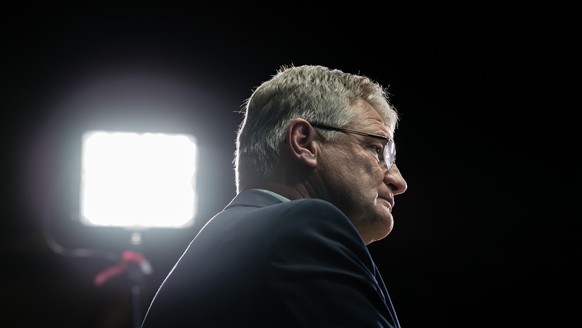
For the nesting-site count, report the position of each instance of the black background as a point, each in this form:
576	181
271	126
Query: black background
489	96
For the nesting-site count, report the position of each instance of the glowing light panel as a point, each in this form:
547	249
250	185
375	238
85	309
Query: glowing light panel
138	180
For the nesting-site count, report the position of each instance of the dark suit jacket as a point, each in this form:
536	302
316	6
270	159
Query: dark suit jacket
264	262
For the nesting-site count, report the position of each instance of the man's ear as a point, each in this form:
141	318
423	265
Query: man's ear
300	138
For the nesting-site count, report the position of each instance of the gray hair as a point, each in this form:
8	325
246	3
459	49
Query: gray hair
312	92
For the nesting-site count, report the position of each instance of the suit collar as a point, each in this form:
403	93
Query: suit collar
256	198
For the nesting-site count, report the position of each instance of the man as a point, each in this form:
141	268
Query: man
316	180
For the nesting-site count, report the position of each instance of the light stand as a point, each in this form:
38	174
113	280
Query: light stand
137	181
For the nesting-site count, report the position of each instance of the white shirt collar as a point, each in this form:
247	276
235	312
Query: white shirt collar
274	194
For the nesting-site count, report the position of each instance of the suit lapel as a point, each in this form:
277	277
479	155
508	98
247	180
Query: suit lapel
384	291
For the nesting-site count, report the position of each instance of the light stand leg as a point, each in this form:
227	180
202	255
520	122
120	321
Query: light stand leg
135	276
136	279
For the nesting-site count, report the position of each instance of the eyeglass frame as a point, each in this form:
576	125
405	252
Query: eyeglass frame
389	141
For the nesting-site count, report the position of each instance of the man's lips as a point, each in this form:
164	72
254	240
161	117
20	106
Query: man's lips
389	200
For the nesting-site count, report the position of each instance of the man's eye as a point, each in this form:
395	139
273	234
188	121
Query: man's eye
379	151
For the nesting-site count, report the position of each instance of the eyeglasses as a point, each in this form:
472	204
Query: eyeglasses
388	152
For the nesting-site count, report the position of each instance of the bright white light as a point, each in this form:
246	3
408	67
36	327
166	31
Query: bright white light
138	180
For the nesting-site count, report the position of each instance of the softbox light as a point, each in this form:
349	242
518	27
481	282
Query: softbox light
138	180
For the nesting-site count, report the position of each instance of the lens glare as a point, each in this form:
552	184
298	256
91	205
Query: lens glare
390	153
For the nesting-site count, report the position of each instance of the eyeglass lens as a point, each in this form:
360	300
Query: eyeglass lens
389	153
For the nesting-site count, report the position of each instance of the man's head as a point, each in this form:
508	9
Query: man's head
313	132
